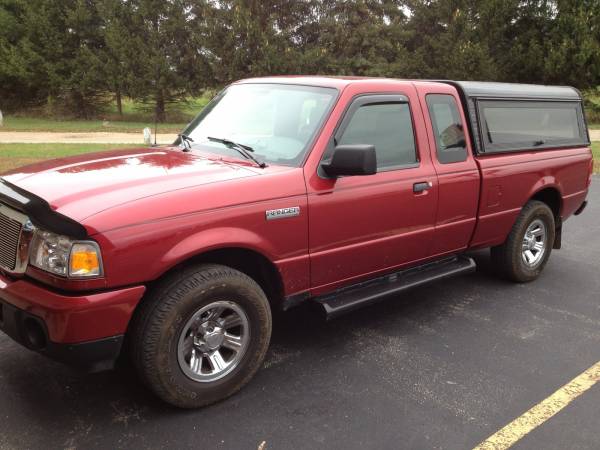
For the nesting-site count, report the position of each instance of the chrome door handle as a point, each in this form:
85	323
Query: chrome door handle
422	186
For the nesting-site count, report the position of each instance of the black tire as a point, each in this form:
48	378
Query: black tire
508	256
161	318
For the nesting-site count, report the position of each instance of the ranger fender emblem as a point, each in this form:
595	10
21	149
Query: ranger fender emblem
282	213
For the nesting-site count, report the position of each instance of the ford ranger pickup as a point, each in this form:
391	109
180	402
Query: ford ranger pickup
286	190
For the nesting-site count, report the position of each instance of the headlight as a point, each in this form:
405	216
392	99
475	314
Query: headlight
65	257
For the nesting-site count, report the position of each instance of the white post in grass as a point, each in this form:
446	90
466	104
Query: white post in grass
147	136
1	118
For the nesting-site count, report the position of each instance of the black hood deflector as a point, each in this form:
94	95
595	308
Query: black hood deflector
39	211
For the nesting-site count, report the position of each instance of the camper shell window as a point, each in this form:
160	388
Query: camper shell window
510	125
508	117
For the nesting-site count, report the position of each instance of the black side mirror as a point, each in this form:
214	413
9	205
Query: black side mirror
357	159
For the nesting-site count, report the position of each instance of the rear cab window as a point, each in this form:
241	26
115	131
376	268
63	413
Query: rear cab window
448	128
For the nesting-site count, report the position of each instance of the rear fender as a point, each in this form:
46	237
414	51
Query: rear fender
546	182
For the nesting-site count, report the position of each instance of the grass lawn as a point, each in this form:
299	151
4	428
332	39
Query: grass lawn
190	108
594	126
16	155
134	120
596	152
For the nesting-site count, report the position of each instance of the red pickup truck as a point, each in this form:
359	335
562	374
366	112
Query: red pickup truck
284	190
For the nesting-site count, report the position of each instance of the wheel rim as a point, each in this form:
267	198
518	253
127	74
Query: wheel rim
213	341
534	244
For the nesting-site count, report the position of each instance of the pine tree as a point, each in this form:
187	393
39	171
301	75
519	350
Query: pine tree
154	42
573	55
19	85
56	55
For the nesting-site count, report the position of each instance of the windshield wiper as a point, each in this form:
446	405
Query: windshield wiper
245	150
538	143
186	141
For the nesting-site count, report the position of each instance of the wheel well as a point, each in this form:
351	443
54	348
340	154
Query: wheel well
552	198
252	263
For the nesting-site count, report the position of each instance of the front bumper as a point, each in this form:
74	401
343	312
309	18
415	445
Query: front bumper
83	330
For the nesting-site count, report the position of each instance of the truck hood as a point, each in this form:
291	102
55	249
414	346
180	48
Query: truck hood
81	186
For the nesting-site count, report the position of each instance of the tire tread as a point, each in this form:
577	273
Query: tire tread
506	256
148	325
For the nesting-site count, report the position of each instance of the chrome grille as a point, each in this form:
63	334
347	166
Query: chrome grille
10	234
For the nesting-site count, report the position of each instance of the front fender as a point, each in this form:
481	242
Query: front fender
214	239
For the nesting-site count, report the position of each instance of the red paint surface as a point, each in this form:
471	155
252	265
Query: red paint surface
153	208
72	319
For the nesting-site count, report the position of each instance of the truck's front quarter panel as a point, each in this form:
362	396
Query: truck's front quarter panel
164	231
141	241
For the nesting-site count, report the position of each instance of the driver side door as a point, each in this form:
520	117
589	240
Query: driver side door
362	226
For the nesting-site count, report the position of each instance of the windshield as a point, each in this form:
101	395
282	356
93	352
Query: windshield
276	121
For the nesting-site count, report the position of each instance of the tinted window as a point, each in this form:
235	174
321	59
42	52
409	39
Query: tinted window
386	126
518	125
447	128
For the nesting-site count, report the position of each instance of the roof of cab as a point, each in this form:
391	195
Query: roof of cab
476	89
338	82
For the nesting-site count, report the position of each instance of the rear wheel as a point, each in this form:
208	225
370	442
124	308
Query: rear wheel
525	252
200	336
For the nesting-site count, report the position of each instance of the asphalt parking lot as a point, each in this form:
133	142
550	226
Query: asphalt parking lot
442	367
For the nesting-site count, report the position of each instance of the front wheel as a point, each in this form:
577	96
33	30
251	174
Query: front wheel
525	252
200	336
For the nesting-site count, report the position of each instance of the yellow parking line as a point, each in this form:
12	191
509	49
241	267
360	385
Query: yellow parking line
541	412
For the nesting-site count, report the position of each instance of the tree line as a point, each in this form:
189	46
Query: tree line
75	55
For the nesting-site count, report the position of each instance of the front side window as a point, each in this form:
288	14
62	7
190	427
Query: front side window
518	125
447	128
277	121
387	126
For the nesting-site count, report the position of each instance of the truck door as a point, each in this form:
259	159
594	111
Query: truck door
360	226
458	175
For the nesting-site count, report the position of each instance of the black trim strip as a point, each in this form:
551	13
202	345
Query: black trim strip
39	211
581	208
291	301
364	293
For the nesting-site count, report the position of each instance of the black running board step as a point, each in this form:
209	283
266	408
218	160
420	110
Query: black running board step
368	292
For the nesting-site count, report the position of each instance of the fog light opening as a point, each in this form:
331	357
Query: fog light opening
34	334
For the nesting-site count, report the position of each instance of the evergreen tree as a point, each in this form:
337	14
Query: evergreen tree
573	55
446	41
243	38
155	43
117	51
65	40
19	85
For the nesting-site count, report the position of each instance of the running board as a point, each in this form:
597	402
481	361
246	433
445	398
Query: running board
362	294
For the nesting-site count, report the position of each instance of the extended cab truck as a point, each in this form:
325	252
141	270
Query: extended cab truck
336	191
